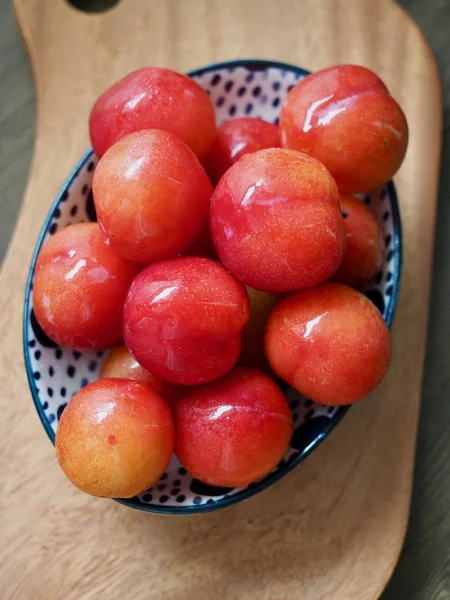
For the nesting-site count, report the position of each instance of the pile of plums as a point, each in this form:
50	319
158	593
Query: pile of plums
222	258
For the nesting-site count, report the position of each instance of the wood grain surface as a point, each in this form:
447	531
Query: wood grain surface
333	529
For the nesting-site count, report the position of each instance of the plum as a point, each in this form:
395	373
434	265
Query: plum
122	365
115	438
152	196
233	431
330	343
363	254
183	319
237	137
345	117
153	98
275	221
79	289
252	353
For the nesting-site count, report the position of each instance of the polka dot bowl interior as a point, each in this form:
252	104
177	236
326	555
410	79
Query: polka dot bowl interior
252	88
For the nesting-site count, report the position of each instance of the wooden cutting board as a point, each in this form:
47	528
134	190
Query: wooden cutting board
333	529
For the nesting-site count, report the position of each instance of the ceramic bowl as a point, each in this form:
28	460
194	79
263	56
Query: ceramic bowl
241	88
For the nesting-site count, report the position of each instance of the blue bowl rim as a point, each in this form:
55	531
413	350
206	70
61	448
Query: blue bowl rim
251	64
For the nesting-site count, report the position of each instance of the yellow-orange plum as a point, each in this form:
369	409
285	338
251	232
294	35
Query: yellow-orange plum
121	364
252	353
115	438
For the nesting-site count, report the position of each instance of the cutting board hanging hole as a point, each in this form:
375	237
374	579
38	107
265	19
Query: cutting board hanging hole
93	6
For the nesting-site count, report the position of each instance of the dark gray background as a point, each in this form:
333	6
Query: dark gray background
423	572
